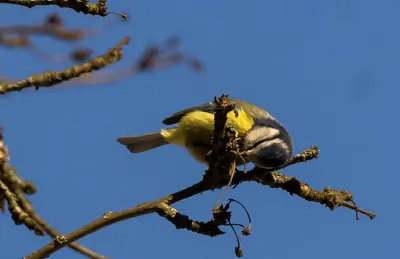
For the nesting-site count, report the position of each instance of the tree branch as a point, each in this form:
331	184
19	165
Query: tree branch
84	6
13	190
51	78
220	163
330	198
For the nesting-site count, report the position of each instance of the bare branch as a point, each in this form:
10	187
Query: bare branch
53	26
148	61
165	55
13	190
220	164
154	57
51	78
84	6
330	198
210	228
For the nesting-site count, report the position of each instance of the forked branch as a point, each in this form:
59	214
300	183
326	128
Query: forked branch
13	190
328	197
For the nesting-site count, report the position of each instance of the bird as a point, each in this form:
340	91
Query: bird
266	142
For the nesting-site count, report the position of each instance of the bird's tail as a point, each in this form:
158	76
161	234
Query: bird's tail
142	143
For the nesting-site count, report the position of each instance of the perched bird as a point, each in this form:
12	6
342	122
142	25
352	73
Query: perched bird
266	143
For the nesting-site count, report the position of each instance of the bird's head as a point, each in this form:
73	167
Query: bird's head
268	146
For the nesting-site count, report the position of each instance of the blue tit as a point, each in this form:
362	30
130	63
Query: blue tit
266	142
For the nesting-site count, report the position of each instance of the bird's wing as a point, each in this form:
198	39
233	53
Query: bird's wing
177	116
210	106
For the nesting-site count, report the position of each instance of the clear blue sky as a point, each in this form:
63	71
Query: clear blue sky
328	70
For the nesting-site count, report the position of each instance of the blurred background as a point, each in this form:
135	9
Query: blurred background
328	70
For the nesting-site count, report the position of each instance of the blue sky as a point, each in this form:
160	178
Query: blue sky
328	70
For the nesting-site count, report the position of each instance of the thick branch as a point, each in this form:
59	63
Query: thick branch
220	163
50	78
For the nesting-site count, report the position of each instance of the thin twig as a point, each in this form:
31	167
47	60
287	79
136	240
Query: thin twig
328	197
13	190
51	78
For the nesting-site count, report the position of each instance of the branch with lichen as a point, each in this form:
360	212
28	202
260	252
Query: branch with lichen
327	197
84	6
51	78
154	57
13	191
220	164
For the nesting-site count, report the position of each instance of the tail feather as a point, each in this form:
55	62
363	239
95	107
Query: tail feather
142	143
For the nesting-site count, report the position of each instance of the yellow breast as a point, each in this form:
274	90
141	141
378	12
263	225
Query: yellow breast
198	127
